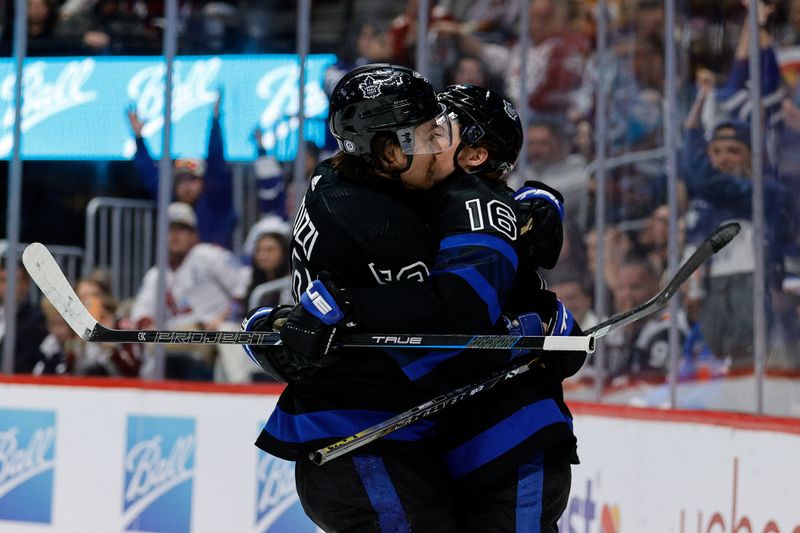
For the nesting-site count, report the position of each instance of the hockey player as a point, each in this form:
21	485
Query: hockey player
471	252
359	222
512	479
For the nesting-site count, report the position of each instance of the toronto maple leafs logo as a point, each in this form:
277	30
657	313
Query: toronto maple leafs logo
510	111
371	88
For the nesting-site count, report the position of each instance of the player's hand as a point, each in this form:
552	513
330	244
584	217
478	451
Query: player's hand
136	123
218	104
276	361
311	326
541	223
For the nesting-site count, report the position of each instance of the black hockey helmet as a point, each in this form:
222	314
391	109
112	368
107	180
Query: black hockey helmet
486	115
386	98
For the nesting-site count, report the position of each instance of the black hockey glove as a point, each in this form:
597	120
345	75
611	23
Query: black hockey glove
276	361
540	223
548	316
311	326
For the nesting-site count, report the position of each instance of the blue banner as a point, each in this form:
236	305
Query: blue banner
75	108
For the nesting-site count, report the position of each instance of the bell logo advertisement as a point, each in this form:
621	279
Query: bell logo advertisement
27	461
278	507
159	474
92	95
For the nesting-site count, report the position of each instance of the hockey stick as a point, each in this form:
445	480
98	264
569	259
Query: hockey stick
715	242
44	270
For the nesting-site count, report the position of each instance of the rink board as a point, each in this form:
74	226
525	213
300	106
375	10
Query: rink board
113	455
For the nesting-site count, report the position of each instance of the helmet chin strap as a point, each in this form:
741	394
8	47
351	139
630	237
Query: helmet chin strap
396	173
456	166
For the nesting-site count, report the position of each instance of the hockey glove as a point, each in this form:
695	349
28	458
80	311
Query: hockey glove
311	326
541	223
564	325
276	361
548	316
524	324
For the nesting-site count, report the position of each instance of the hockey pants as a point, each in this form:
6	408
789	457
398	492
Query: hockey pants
402	491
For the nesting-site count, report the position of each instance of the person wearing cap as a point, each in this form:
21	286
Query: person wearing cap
203	283
205	185
717	173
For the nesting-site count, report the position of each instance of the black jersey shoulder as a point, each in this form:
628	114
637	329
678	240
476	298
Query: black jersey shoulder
378	210
467	203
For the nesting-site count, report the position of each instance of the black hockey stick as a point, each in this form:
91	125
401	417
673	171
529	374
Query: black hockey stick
716	241
713	243
44	270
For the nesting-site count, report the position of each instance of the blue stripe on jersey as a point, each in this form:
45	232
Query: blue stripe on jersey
530	486
427	363
503	436
382	494
336	423
481	239
483	288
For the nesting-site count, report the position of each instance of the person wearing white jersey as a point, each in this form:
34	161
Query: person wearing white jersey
203	281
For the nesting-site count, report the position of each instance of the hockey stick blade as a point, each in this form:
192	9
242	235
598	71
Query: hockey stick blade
713	243
46	273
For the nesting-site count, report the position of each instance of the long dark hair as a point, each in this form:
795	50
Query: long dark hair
358	169
261	276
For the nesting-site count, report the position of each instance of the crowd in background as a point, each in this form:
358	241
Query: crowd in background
477	42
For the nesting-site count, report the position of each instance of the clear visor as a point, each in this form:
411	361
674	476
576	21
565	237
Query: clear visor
431	137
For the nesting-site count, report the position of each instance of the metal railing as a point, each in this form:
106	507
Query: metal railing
265	289
120	238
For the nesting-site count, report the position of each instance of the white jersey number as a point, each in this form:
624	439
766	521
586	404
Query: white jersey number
498	215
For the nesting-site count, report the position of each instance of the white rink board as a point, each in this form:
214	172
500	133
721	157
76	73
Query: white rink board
90	449
678	477
636	476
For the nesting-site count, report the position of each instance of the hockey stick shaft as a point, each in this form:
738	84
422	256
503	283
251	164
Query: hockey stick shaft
46	273
716	241
713	243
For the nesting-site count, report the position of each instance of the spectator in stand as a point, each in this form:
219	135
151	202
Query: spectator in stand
717	176
372	46
42	20
270	262
204	282
107	359
550	161
212	28
574	293
652	239
207	187
556	57
646	21
59	348
109	27
468	70
495	21
641	349
635	73
30	327
403	33
618	244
